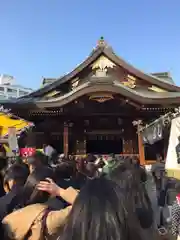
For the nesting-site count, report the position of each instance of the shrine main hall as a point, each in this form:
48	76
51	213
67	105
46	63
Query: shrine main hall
92	109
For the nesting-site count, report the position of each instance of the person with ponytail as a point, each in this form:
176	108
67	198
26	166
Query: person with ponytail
175	227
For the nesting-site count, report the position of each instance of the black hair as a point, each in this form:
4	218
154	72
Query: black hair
136	161
30	193
17	172
3	163
2	232
2	149
128	161
129	179
64	170
2	192
100	211
3	167
90	158
159	157
177	186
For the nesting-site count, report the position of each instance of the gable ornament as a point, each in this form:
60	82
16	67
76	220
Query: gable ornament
130	81
156	89
103	63
101	97
74	83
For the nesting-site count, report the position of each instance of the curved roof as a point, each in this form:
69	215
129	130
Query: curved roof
165	76
103	49
114	87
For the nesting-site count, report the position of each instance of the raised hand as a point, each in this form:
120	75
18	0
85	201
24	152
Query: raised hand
49	186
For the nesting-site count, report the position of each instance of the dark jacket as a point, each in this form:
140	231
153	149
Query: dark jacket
8	200
142	174
2	192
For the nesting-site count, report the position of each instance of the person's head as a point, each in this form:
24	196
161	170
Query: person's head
129	180
101	212
177	186
71	157
112	155
2	151
3	164
17	174
90	158
90	169
128	161
159	157
30	193
64	170
136	161
36	161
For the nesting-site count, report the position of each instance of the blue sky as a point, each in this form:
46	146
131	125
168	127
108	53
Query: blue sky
47	38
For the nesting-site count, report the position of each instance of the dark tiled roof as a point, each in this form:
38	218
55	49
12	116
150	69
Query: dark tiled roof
137	95
106	50
47	81
166	76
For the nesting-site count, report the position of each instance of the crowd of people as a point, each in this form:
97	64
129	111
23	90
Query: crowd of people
83	199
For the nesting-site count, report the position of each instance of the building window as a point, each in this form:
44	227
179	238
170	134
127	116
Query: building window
22	93
2	97
11	90
1	89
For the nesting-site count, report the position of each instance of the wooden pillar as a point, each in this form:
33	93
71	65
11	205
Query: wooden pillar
141	148
66	139
128	140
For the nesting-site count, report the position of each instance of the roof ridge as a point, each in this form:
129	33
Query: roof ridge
103	48
161	80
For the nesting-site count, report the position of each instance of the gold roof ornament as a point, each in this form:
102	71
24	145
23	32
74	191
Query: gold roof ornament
156	89
130	81
74	83
52	93
101	97
103	63
101	42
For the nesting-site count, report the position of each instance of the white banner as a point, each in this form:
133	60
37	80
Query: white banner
153	133
12	139
173	154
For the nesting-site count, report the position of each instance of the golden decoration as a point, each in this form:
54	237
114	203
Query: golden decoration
103	63
101	98
130	82
51	94
101	42
74	83
156	89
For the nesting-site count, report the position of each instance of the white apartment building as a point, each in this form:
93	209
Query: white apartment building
10	90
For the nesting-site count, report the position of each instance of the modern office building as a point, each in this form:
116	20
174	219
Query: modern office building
10	90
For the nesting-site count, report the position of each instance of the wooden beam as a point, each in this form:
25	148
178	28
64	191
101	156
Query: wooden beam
141	148
125	101
66	139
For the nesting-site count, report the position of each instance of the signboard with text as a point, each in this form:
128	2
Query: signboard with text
153	133
12	139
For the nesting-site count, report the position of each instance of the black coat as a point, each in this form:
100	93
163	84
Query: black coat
8	201
2	192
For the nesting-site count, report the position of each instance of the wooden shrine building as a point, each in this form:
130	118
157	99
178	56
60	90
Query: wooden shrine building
92	108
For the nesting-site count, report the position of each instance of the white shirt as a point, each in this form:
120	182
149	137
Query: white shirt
49	150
